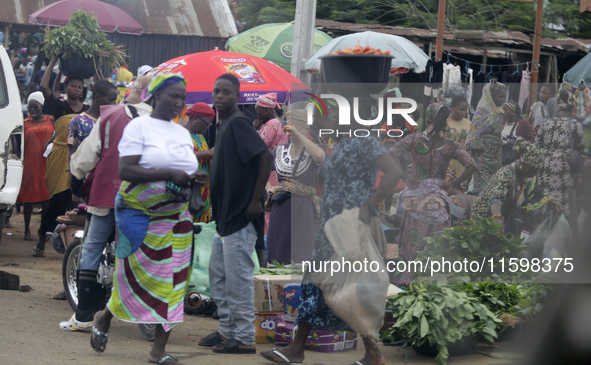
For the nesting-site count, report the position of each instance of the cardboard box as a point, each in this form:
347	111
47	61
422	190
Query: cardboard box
264	326
293	297
324	341
268	291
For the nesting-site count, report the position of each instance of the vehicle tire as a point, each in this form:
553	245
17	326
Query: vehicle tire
70	271
148	331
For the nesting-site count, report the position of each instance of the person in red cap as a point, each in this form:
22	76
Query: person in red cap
200	119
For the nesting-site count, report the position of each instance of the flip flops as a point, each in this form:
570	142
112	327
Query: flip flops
232	346
279	355
102	340
38	253
166	359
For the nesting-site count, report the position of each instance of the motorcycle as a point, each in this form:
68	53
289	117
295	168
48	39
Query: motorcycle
71	269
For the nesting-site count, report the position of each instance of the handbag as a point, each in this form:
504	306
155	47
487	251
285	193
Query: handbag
508	154
196	203
575	161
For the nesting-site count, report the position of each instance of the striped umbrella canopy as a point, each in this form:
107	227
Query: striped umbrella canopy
273	42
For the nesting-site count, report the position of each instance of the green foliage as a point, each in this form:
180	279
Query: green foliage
81	37
439	315
497	297
280	269
475	241
566	13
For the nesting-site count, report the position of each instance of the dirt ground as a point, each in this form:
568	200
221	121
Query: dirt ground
29	332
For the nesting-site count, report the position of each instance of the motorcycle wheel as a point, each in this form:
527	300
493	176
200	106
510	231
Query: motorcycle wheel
70	271
147	331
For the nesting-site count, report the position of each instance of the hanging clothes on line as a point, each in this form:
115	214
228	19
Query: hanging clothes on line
524	89
452	76
433	77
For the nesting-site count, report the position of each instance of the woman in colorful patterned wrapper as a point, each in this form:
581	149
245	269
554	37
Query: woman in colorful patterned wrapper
555	138
200	119
425	199
484	140
512	184
154	225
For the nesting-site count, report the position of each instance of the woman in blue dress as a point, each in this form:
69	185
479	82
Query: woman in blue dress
349	178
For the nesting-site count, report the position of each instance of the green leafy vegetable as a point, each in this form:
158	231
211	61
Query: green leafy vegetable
439	316
81	37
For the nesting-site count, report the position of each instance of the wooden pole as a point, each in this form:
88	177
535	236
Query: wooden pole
440	26
533	93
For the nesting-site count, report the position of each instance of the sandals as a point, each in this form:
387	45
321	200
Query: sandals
38	253
166	359
211	340
232	346
279	355
74	325
28	237
102	340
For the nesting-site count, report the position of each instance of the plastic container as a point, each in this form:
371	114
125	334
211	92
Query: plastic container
76	66
373	69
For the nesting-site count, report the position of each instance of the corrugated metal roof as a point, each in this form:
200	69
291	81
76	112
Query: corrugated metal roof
516	39
208	18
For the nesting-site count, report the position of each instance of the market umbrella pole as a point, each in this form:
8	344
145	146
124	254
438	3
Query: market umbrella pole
533	91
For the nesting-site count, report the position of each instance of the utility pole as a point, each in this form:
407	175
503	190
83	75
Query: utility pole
440	26
533	93
303	38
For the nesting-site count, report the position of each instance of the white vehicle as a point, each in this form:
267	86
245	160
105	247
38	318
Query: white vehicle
11	136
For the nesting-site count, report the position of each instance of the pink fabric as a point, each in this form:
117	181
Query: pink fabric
272	133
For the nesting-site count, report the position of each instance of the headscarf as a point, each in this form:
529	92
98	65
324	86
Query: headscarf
529	153
144	70
37	96
486	112
268	101
200	110
299	117
162	81
567	106
514	107
434	109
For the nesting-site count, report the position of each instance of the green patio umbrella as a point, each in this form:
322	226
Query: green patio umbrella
579	72
272	42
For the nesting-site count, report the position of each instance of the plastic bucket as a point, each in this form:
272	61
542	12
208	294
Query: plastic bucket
76	66
373	69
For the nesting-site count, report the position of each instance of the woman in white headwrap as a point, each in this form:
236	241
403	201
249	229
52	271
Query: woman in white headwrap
38	130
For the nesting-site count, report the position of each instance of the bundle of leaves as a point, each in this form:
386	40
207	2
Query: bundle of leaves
439	316
497	297
280	269
482	241
81	37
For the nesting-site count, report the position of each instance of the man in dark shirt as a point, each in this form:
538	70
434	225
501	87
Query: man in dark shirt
240	168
